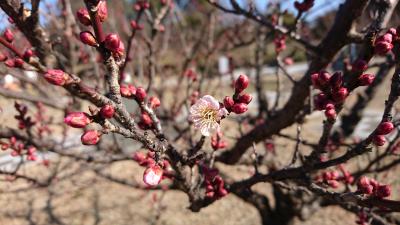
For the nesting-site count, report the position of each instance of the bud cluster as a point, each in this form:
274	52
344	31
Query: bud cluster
384	43
238	102
24	121
141	5
215	186
154	172
18	148
383	129
333	92
333	178
371	187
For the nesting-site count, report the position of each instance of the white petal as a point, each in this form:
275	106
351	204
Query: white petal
212	102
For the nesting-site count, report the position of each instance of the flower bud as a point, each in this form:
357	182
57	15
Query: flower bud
77	119
314	80
340	95
154	102
383	47
152	175
392	31
18	62
383	191
385	38
323	78
8	35
56	77
241	83
146	120
119	52
385	128
228	102
239	108
10	63
140	158
366	79
28	54
330	114
112	42
245	98
140	94
135	25
125	91
102	12
90	137
379	140
364	186
83	16
107	111
320	101
88	38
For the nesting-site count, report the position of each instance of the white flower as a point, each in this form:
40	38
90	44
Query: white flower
152	175
206	114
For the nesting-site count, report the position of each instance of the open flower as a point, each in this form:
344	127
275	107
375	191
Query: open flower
206	115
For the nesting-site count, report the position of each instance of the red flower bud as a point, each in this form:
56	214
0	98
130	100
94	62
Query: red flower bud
28	54
323	78
340	95
385	128
241	83
330	114
140	94
239	108
329	106
10	63
366	79
126	91
112	42
360	65
154	102
364	186
8	35
119	52
102	12
379	140
140	158
385	38
77	119
146	121
152	175
383	191
83	16
56	77
107	111
245	98
88	38
135	25
314	80
228	102
320	101
18	62
383	47
90	137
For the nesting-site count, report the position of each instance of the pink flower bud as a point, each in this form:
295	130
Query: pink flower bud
140	158
330	114
366	79
239	108
125	91
329	106
90	137
146	120
83	16
314	80
140	94
119	52
77	119
228	102
340	95
152	175
383	47
18	62
392	31
135	25
107	111
385	38
241	83
383	191
102	12
323	78
56	77
3	57
8	35
379	140
364	186
385	128
154	102
245	98
112	42
88	38
333	183
360	65
10	63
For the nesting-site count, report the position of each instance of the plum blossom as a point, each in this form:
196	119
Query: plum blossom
206	115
